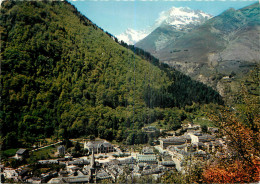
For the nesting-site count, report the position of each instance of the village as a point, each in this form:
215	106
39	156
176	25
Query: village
103	161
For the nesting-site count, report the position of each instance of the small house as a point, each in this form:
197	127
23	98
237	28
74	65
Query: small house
21	153
61	150
147	151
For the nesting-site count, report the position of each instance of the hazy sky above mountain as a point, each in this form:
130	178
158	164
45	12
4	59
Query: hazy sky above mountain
115	16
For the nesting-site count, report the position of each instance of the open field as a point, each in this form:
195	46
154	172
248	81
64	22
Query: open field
44	153
9	152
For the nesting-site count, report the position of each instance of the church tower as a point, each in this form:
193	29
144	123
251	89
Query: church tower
92	170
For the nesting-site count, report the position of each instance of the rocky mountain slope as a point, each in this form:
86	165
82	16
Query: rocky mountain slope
220	38
225	44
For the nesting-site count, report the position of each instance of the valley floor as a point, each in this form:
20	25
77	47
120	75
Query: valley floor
112	163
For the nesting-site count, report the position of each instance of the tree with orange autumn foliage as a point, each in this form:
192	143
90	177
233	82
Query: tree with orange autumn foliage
240	161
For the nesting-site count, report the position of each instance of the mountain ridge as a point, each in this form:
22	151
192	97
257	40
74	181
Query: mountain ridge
214	35
224	44
171	25
176	17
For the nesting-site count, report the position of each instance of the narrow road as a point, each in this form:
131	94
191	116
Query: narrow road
54	144
46	146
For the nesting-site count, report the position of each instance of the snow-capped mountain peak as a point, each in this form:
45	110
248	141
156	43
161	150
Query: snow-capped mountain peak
131	36
182	16
178	18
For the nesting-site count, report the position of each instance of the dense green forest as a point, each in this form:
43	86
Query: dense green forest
63	76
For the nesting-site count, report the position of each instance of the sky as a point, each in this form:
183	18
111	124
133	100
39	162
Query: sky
115	16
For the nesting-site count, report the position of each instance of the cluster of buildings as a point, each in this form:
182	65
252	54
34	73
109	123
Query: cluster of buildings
91	170
172	153
193	143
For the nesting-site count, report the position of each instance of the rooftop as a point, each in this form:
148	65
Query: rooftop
146	157
21	151
97	144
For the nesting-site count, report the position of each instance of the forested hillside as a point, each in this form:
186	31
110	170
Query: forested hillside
62	76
